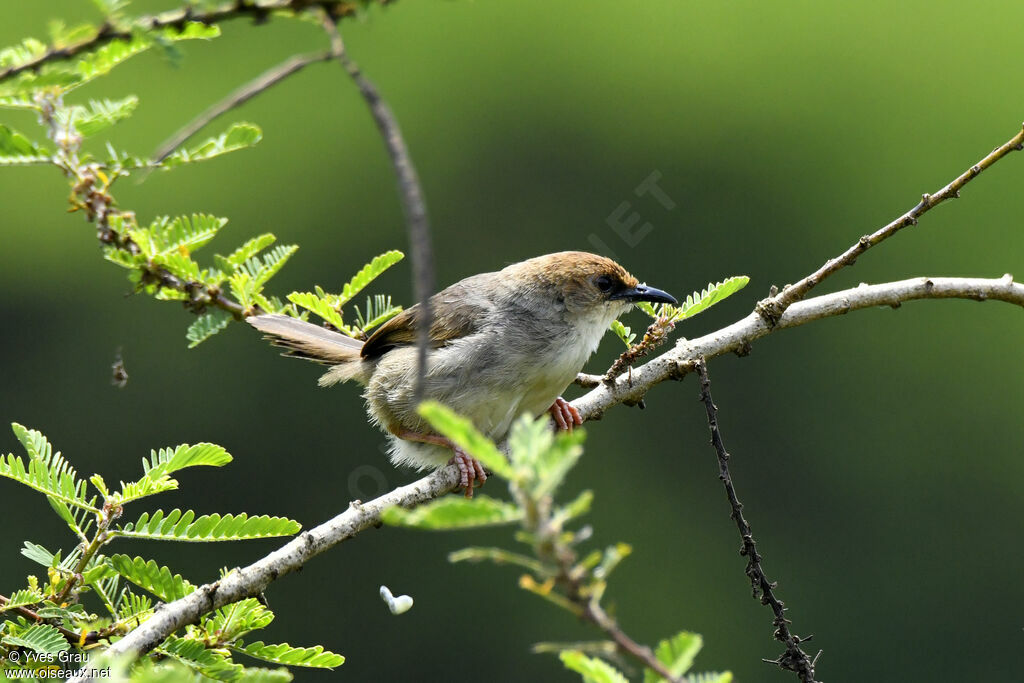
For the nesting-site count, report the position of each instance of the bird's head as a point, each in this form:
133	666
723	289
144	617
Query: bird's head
590	287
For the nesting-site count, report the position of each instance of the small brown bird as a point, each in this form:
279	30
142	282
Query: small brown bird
501	344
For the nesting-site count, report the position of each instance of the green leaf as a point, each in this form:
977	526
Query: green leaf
180	265
591	669
207	325
238	136
261	675
462	432
580	506
262	271
50	610
187	234
239	256
196	655
17	150
110	7
47	471
178	526
293	656
613	555
148	575
724	677
497	556
19	102
379	310
454	512
677	654
99	115
161	464
134	606
123	257
624	333
368	274
99	62
540	457
24	52
20	598
321	306
102	60
41	638
99	571
235	620
167	461
165	238
38	554
698	301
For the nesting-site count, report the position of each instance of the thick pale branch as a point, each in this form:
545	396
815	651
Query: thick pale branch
250	581
675	364
253	579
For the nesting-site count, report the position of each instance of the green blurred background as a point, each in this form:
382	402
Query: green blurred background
878	455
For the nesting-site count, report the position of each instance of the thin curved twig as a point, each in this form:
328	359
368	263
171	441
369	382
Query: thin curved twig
410	192
237	98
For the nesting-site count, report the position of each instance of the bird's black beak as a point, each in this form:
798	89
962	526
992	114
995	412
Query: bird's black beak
644	293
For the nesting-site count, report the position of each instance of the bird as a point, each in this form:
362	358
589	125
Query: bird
501	344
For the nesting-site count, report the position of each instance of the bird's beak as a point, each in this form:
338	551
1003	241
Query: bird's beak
644	293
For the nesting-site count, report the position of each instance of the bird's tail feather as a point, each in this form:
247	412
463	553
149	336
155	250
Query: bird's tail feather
311	342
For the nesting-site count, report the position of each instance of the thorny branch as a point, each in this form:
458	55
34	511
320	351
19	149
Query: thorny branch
774	306
258	10
794	659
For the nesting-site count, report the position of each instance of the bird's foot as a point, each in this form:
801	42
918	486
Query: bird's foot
470	471
566	416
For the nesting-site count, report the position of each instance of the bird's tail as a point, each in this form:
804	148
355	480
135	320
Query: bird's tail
311	342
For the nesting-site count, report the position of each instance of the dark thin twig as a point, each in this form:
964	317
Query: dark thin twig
409	190
794	658
772	308
75	639
594	613
238	97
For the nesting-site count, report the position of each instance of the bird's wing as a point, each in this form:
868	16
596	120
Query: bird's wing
457	312
306	340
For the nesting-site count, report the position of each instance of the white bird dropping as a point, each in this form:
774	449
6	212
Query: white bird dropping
399	605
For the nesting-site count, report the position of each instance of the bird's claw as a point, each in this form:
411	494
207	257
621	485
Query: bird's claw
470	471
565	414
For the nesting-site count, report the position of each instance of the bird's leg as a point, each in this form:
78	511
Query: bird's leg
565	414
470	469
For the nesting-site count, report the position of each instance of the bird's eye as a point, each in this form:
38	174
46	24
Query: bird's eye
604	283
